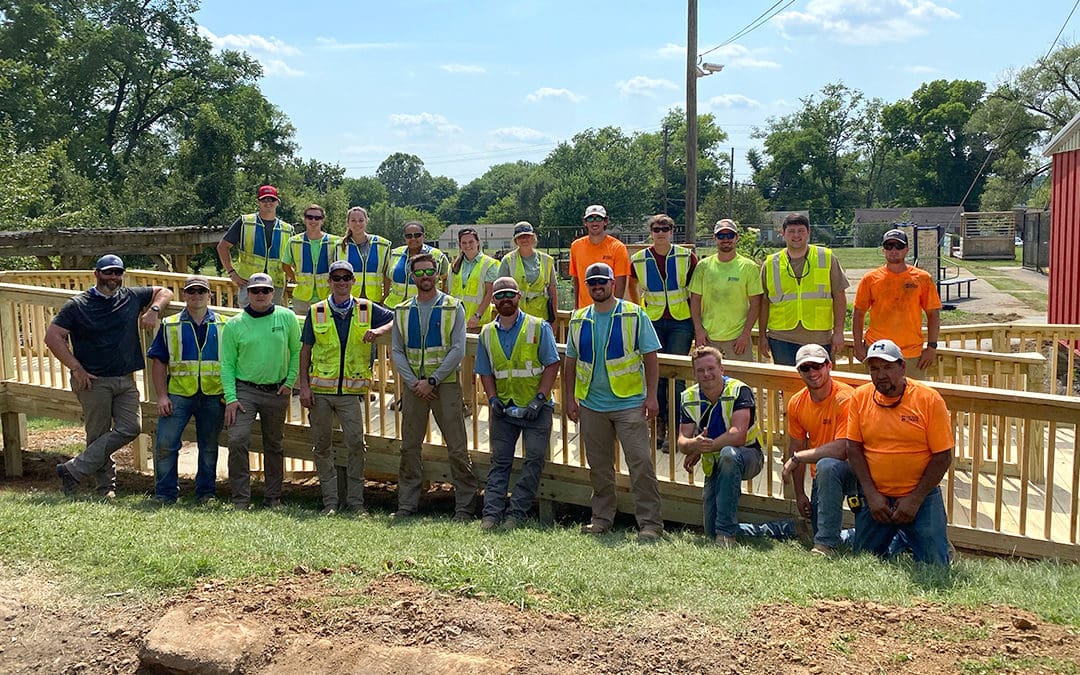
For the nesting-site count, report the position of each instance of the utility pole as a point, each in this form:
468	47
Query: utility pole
691	118
663	167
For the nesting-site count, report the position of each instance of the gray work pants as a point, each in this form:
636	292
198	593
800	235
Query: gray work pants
271	409
113	419
351	417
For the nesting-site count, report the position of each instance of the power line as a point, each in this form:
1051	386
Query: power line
761	20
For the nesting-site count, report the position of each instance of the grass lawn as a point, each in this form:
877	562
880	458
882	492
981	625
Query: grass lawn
96	548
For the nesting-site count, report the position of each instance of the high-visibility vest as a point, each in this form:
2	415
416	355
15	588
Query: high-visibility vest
471	291
256	254
370	269
401	280
327	371
534	296
807	300
517	378
312	274
698	408
193	366
426	346
671	291
620	355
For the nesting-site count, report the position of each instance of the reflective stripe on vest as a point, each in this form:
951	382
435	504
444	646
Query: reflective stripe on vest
426	346
534	296
473	290
370	270
517	378
326	364
623	361
807	300
698	408
192	368
254	255
312	276
401	281
671	291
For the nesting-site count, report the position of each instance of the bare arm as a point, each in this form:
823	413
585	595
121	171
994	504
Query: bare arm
651	407
839	308
933	329
858	319
570	402
620	287
547	379
700	336
224	254
763	329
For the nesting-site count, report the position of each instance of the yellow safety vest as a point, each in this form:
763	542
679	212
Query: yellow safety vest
620	355
193	367
534	296
255	254
427	346
697	407
370	270
672	290
517	378
807	300
401	280
471	291
328	369
312	275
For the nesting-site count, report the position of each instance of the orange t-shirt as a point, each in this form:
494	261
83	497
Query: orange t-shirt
899	442
819	422
896	302
583	253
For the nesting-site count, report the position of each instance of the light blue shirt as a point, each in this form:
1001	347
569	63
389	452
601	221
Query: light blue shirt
600	397
549	353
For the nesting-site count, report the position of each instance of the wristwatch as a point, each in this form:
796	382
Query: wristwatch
931	345
433	382
794	458
155	308
540	397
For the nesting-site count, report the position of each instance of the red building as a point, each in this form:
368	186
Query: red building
1064	148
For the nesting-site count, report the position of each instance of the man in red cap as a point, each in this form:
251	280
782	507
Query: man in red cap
260	239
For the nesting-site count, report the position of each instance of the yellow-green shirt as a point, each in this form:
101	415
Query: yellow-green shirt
726	289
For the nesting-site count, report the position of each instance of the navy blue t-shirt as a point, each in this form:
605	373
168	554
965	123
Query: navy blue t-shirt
105	331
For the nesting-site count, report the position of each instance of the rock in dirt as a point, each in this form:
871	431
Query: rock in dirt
1022	623
373	659
207	645
10	608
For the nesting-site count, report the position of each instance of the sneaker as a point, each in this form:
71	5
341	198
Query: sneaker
488	523
511	523
108	495
358	512
68	482
328	511
823	550
595	529
402	514
724	541
462	517
649	535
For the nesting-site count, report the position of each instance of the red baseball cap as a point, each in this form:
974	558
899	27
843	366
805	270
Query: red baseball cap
268	191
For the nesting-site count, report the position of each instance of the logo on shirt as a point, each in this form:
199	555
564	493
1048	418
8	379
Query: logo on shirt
911	285
914	419
733	278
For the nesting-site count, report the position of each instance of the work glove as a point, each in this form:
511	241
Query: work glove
498	409
532	411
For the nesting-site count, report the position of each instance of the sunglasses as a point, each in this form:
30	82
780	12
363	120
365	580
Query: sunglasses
111	272
429	272
313	216
197	291
807	367
726	235
504	295
341	277
661	229
594	219
266	200
414	235
893	246
598	282
262	290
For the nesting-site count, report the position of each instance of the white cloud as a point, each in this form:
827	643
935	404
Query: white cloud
462	68
249	43
551	92
332	45
644	86
520	134
863	22
278	68
732	101
671	51
738	56
424	121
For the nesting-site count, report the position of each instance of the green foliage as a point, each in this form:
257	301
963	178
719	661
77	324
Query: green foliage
405	178
387	220
365	191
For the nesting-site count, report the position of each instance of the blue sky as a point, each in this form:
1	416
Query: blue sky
468	84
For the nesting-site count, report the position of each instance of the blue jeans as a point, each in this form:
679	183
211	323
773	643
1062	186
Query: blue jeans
783	352
675	337
926	535
720	496
833	483
505	431
209	413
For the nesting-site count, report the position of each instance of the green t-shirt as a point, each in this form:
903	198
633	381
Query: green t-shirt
726	288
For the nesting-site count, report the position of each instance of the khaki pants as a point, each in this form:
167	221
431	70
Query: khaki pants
598	433
414	425
271	409
727	348
112	420
350	415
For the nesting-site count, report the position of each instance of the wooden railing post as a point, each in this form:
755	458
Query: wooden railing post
1034	453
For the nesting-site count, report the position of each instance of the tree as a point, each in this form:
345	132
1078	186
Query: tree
406	179
365	191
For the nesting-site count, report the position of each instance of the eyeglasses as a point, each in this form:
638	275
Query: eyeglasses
428	272
111	272
594	219
893	246
414	235
313	216
341	277
504	295
807	367
726	235
267	200
597	282
261	290
661	229
197	291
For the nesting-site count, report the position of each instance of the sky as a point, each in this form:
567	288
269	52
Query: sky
465	84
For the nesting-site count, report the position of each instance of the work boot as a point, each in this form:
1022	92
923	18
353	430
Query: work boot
488	523
724	541
68	482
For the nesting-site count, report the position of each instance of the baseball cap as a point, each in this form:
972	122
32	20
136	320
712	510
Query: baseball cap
260	280
109	261
811	354
596	210
725	225
895	235
886	350
268	191
196	282
341	265
599	271
523	227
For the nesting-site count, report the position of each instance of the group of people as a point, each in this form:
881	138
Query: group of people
882	448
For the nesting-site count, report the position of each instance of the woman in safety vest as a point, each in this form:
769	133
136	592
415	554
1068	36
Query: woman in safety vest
369	254
471	275
534	272
398	284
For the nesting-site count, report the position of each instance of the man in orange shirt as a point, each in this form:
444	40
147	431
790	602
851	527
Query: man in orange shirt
897	295
899	444
816	416
597	246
